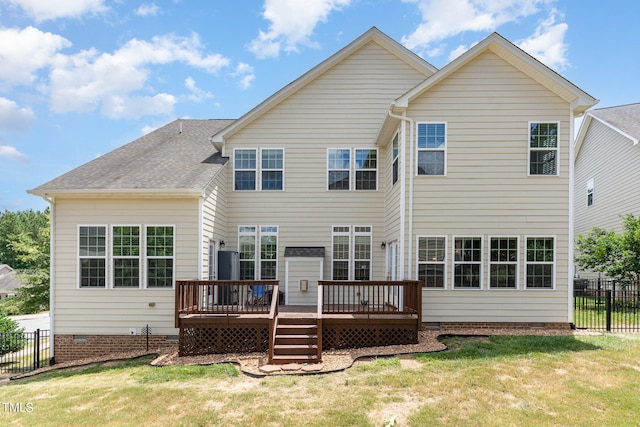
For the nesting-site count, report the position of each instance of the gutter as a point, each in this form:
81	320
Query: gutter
411	123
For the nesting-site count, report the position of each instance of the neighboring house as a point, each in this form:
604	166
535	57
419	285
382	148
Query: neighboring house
607	172
374	165
9	282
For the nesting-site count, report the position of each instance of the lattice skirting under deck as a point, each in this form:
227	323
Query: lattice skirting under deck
197	339
353	335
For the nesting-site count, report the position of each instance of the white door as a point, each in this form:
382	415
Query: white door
394	298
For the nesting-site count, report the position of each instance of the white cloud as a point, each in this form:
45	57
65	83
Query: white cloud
89	79
148	10
14	117
245	74
547	43
23	52
12	153
446	18
292	23
197	94
43	10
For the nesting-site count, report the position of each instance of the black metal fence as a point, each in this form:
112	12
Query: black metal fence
606	304
24	351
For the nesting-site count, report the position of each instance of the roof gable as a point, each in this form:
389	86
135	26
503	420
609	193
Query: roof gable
623	119
373	35
580	100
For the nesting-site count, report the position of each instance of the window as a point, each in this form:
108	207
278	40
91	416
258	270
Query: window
351	263
247	249
160	256
432	143
467	263
366	169
267	257
396	164
432	261
126	256
244	162
272	169
543	149
92	251
590	192
340	164
268	252
540	262
503	263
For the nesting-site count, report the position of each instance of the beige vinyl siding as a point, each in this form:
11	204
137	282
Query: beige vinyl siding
214	220
343	108
487	106
115	311
611	160
392	191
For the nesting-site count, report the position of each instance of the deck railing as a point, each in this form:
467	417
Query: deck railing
224	297
372	297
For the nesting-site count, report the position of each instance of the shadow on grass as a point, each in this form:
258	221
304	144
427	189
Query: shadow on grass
482	347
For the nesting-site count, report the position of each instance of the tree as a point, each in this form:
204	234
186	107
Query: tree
14	225
11	335
616	255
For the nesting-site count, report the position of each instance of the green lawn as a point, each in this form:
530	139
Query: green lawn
514	381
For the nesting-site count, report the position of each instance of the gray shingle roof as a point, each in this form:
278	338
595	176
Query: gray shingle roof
624	117
304	251
8	279
178	155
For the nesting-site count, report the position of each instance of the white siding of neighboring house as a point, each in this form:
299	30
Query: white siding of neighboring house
487	106
115	311
343	108
612	161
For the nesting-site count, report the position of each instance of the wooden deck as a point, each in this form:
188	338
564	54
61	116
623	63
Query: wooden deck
231	317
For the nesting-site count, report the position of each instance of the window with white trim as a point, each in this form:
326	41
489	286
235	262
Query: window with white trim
272	175
590	192
543	148
125	251
432	261
351	252
342	164
258	247
432	148
540	262
92	253
160	253
467	263
244	169
396	161
503	263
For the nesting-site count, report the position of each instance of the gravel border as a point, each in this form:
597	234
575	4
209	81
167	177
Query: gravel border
255	364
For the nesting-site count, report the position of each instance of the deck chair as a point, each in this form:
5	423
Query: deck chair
258	295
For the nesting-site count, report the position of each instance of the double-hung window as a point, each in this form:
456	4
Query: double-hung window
467	263
245	165
92	252
126	256
503	263
345	163
258	262
540	262
351	253
251	172
272	169
432	148
543	148
432	261
160	256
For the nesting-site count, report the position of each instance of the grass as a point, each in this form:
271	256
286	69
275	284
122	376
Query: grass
590	313
515	381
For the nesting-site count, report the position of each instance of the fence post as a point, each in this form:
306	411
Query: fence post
36	349
607	306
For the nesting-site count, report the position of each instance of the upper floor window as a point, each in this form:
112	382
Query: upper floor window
396	165
590	192
543	148
248	169
92	251
432	148
342	164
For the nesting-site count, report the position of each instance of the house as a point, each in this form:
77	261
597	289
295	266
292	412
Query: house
9	282
606	170
373	171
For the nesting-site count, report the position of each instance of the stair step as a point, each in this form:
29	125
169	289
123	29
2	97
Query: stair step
297	321
296	329
282	360
295	349
296	339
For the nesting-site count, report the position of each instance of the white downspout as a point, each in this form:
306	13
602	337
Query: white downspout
570	265
52	270
403	157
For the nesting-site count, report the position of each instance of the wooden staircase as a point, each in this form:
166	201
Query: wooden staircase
296	341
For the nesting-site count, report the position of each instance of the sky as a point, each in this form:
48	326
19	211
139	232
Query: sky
80	78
